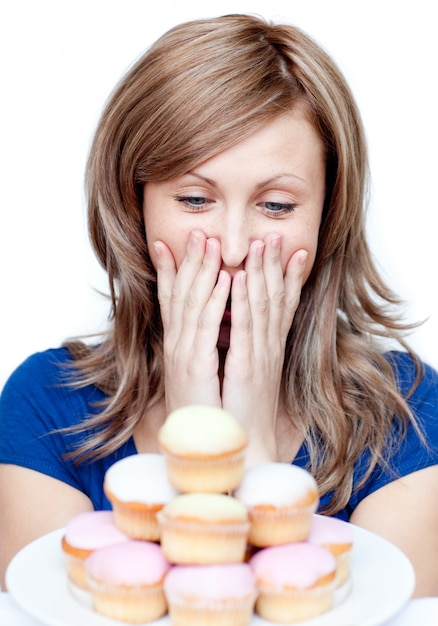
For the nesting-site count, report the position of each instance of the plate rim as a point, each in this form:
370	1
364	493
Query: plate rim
362	536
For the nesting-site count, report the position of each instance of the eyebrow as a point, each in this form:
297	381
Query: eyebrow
264	183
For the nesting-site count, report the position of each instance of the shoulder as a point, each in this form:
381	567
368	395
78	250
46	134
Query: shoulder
419	387
36	375
405	370
418	450
37	403
43	385
40	364
419	447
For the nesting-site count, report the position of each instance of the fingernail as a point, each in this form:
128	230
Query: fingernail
241	277
157	247
302	257
259	249
221	277
210	246
194	238
275	242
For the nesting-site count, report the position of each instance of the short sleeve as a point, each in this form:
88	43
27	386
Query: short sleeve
35	404
419	448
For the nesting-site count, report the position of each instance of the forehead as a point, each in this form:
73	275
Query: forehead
288	141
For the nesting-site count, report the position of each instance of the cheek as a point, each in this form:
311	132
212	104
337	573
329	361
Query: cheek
308	241
157	228
176	246
175	239
310	262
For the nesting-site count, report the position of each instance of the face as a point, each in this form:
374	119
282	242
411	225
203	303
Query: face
271	182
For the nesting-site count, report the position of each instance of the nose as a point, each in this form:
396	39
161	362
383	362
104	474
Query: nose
235	235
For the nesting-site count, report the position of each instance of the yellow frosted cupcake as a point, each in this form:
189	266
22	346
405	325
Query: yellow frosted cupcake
204	528
126	581
138	487
204	448
281	500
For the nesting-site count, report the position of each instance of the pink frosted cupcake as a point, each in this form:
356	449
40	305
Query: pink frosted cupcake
210	595
138	487
126	581
295	582
281	500
337	537
85	533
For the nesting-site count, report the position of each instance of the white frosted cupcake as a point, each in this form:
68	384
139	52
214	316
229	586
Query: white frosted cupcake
126	581
204	528
210	595
281	500
295	582
204	448
138	487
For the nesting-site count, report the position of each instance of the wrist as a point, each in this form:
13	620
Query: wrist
261	450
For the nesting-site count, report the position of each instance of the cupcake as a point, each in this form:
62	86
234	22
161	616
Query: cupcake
295	582
137	488
126	581
281	499
337	537
204	528
217	595
83	534
204	448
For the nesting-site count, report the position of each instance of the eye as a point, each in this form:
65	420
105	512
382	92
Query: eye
194	202
277	208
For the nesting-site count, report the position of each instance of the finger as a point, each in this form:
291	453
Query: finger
274	279
184	278
293	282
256	287
166	272
209	321
203	284
173	283
189	267
241	318
201	310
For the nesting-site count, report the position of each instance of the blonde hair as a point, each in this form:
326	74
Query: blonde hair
202	87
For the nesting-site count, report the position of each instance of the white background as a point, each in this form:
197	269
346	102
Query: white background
59	61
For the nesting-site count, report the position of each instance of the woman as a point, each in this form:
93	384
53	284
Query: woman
226	191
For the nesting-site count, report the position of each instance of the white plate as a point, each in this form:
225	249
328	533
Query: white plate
382	582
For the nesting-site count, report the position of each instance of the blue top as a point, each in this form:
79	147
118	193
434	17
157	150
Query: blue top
36	402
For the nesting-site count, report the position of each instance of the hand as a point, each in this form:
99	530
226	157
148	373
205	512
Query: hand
262	310
192	302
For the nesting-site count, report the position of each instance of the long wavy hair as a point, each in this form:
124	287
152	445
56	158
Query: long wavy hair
202	87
